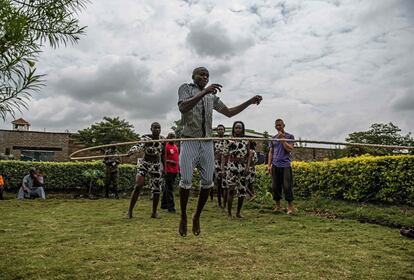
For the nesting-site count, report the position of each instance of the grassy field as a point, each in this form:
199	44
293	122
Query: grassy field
91	239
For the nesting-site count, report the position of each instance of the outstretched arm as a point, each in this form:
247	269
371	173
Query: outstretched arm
230	112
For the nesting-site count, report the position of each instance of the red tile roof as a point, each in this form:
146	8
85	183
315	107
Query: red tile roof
20	121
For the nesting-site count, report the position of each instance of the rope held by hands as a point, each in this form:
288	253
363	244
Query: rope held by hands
71	156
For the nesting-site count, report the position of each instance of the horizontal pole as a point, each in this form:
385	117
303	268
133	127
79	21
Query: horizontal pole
253	139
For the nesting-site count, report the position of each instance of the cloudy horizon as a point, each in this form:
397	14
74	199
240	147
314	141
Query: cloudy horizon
327	67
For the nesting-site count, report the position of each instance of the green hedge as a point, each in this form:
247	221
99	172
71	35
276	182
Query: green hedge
376	179
62	176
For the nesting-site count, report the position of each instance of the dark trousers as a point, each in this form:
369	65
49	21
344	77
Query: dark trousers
167	201
282	183
111	178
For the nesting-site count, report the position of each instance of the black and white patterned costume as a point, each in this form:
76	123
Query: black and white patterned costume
237	152
152	170
218	151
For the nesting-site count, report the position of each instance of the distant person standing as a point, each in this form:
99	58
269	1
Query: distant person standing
172	168
151	167
218	172
1	187
279	165
236	158
111	162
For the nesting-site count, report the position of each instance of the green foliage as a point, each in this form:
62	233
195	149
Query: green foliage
265	145
24	27
384	134
177	128
66	176
388	179
95	177
110	130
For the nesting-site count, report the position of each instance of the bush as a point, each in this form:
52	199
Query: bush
68	177
63	176
375	179
367	178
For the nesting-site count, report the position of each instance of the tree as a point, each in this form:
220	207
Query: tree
383	134
110	130
95	178
25	25
265	146
177	128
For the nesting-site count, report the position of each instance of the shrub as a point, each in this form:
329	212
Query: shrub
366	178
63	176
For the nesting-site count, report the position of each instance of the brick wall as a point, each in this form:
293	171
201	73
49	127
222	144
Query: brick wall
63	144
315	154
17	141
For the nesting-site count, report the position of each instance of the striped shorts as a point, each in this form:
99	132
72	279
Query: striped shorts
198	154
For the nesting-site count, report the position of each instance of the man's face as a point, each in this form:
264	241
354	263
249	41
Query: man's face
156	129
220	131
200	78
279	125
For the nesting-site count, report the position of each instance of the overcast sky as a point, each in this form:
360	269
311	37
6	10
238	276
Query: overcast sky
327	67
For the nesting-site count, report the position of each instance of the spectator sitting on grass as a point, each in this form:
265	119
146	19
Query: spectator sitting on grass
31	187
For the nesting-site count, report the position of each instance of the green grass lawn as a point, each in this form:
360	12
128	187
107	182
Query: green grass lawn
91	239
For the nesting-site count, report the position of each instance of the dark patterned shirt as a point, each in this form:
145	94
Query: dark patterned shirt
111	160
219	147
197	122
151	148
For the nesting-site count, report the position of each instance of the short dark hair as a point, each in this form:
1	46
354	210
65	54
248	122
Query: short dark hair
198	69
279	120
155	123
221	125
234	125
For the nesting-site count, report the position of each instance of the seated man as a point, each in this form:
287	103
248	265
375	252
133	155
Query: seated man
31	187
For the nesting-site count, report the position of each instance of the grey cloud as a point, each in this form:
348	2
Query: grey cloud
123	84
220	70
329	67
108	81
214	40
404	102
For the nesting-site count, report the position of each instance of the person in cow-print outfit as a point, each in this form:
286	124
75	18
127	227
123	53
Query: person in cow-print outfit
218	172
251	176
151	167
237	161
